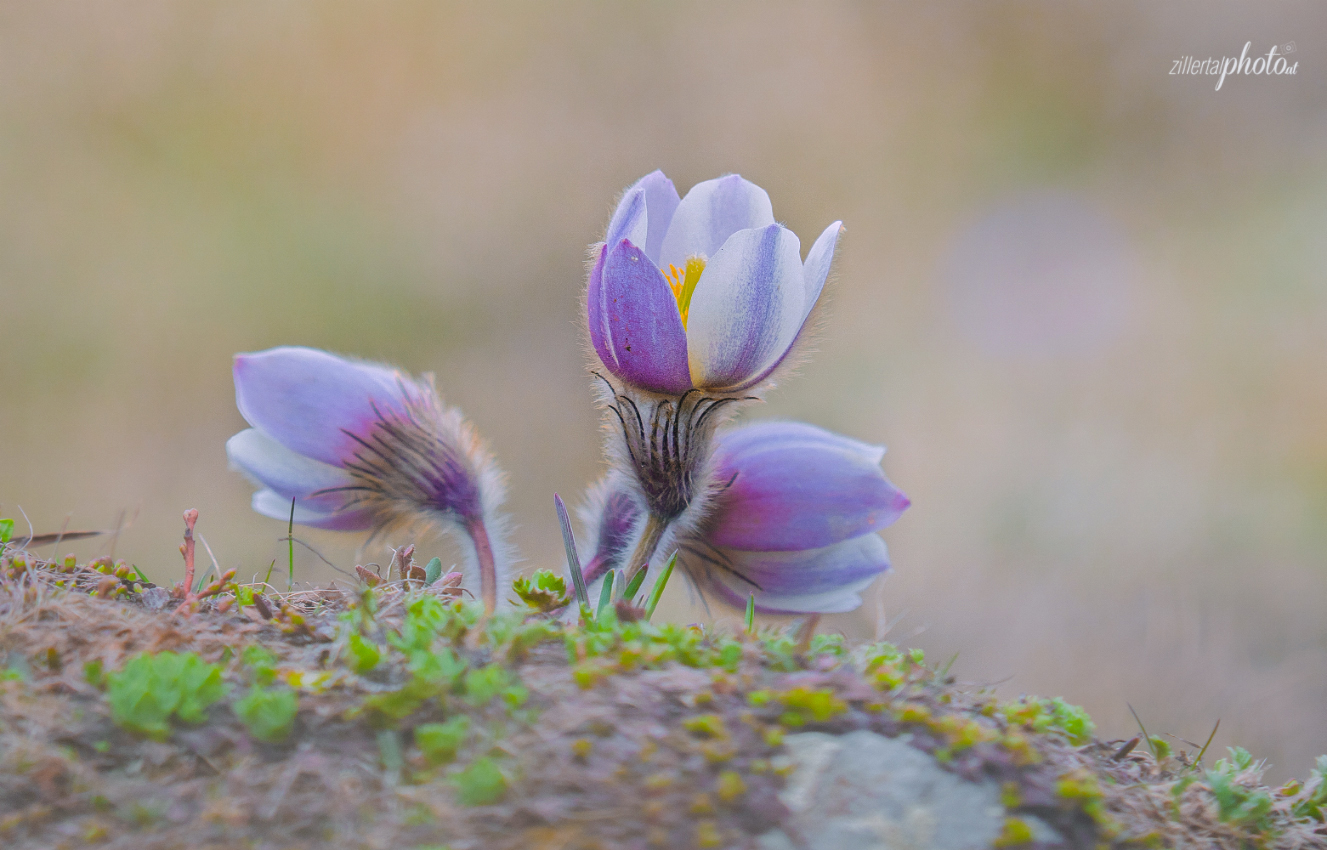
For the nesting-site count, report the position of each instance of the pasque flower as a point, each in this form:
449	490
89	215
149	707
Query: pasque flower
705	292
794	521
362	446
692	305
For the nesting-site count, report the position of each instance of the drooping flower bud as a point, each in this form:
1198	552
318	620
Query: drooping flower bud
361	446
793	520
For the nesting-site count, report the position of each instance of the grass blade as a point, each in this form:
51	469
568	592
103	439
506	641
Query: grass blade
751	614
1203	751
573	560
605	593
656	593
636	582
1146	737
290	536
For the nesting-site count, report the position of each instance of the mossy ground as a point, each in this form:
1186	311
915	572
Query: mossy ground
397	717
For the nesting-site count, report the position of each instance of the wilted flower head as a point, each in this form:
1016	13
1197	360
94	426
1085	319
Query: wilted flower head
362	446
704	292
794	521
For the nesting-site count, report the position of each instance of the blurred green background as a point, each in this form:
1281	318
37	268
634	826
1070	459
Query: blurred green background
1082	300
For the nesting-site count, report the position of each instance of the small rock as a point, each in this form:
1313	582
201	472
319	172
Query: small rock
863	791
155	598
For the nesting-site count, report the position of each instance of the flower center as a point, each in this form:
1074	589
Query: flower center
683	283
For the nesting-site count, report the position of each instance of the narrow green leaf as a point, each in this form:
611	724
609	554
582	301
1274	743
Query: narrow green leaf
751	614
573	560
636	582
605	593
656	593
290	539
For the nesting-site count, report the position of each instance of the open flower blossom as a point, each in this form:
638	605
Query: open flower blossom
705	292
361	446
794	521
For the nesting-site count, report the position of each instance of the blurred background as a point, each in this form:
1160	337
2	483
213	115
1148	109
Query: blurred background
1082	300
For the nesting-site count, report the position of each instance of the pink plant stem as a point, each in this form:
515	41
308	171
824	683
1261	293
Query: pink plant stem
488	571
187	550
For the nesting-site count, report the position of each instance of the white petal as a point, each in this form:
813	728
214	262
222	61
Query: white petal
818	259
710	213
273	465
747	308
272	505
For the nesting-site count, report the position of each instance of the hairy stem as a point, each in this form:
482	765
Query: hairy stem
649	541
488	571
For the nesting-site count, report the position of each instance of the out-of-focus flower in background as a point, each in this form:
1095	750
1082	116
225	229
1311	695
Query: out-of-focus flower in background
794	521
361	446
704	292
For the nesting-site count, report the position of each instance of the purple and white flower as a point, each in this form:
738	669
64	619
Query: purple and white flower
705	292
361	446
793	521
692	305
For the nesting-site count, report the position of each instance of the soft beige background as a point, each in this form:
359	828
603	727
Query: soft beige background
1081	299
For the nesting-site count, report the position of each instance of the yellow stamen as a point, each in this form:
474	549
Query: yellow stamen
683	283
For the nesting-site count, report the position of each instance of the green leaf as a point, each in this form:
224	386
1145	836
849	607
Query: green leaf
268	714
6	529
605	593
432	571
439	742
480	784
656	593
152	690
364	655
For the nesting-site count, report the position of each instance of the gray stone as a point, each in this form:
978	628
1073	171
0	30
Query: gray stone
863	791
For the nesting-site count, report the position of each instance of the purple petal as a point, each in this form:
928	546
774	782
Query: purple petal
823	581
812	571
632	309
307	399
710	213
795	486
747	308
272	505
644	213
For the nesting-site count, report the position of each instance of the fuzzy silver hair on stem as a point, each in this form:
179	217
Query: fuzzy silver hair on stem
361	446
426	464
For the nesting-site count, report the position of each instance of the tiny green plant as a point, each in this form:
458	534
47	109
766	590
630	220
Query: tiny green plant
439	742
1314	803
6	530
362	655
268	713
542	592
481	783
1238	803
152	690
